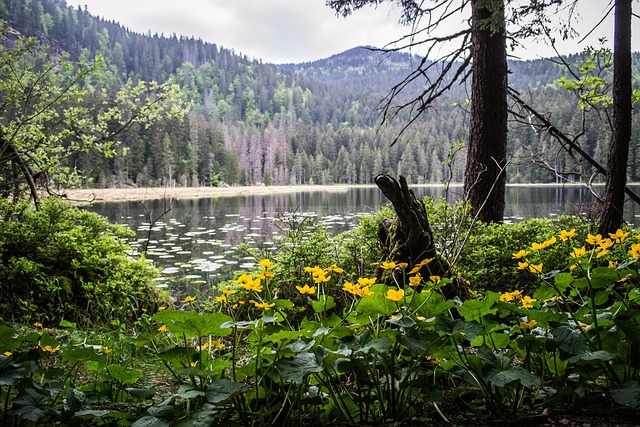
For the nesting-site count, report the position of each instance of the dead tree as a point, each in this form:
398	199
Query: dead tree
408	238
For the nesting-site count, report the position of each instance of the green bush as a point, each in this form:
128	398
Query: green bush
61	262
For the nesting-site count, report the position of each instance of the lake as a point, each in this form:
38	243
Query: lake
196	242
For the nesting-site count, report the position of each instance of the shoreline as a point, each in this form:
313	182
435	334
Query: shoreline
105	195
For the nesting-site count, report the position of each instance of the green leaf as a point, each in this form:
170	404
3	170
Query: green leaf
592	355
325	303
150	421
569	338
80	354
430	304
628	394
141	393
475	310
376	305
402	321
223	389
602	277
121	375
299	366
194	325
29	405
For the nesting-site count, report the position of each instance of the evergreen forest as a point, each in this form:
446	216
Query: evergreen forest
318	122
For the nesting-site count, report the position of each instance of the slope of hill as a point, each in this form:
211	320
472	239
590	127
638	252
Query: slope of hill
315	122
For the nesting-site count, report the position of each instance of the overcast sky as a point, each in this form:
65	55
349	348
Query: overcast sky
281	31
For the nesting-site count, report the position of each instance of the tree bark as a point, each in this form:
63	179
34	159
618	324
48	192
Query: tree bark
484	182
612	216
409	238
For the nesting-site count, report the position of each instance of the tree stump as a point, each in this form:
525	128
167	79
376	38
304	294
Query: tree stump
409	239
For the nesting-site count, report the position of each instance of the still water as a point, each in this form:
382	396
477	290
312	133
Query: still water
196	242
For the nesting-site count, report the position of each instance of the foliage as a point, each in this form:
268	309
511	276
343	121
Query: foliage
65	263
45	121
388	353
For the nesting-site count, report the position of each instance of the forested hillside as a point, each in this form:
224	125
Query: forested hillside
317	122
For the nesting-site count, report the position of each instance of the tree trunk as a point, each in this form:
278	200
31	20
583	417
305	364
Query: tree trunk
409	238
484	180
612	216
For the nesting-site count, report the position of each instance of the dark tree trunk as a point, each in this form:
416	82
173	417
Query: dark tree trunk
612	216
484	181
409	238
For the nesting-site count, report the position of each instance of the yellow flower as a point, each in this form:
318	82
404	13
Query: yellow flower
403	265
435	279
634	252
395	295
549	242
50	349
613	264
266	263
306	289
605	244
162	328
415	280
363	281
527	326
619	236
527	301
577	253
522	265
189	299
312	270
217	344
252	285
565	235
594	240
335	269
227	291
320	277
7	353
510	296
363	291
425	262
38	325
519	255
243	279
222	298
263	305
265	274
162	308
602	253
388	265
537	246
105	350
434	360
535	269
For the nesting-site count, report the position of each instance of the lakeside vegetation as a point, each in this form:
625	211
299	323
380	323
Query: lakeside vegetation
325	330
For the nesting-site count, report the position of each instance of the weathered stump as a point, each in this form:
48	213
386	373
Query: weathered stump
409	238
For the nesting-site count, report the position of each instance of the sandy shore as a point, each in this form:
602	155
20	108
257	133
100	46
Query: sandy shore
87	196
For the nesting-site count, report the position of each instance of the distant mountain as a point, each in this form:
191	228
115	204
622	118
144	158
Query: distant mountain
316	121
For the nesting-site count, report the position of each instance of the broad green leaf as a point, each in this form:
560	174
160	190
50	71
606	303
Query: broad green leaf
29	405
141	393
402	321
325	303
458	328
556	365
377	304
592	355
80	354
602	277
223	389
194	325
430	304
475	310
628	394
500	378
569	338
150	421
282	336
299	366
120	374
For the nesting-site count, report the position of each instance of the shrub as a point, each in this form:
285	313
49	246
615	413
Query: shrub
61	262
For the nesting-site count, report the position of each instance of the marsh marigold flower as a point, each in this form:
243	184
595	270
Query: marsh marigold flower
189	298
162	308
162	328
510	296
522	265
262	305
634	251
363	281
619	236
38	325
266	263
306	289
594	240
527	326
50	349
578	252
394	295
7	353
335	269
222	298
566	235
435	279
535	269
265	274
527	301
519	255
415	280
390	265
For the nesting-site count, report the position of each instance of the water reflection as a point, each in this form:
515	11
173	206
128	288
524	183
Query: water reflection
196	242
